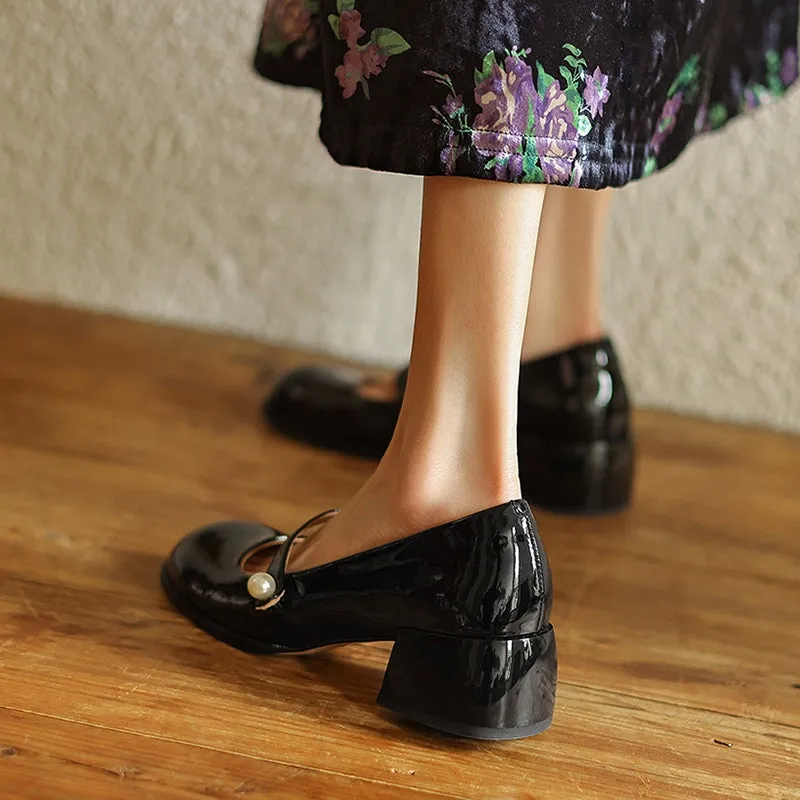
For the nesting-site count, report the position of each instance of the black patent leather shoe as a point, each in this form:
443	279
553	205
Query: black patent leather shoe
467	605
576	445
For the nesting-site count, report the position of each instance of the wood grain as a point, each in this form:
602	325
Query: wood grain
678	622
59	760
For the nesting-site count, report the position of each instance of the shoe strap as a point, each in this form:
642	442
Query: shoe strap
277	569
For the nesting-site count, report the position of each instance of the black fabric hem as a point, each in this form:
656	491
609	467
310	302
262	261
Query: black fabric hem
626	164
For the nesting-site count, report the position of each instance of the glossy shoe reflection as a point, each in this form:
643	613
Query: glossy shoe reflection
467	605
575	438
576	447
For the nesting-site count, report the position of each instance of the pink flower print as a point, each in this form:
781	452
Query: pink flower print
372	60
667	121
350	27
350	73
288	20
293	20
365	61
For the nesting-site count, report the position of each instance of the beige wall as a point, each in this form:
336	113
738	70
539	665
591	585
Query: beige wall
144	169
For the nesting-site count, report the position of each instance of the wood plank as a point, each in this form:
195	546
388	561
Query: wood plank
607	571
114	664
678	621
44	758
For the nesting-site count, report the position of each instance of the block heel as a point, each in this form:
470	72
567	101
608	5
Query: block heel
489	688
593	478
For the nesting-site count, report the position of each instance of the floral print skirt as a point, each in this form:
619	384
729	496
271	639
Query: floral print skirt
578	93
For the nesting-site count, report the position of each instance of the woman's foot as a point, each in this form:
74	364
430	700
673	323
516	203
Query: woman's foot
408	492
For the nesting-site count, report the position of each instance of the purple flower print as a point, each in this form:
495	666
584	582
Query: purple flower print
667	121
522	132
451	153
701	122
350	27
372	60
453	104
577	174
595	93
508	167
789	66
555	134
505	98
350	73
753	97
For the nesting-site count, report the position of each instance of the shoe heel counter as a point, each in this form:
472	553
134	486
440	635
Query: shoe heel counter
543	604
579	395
511	580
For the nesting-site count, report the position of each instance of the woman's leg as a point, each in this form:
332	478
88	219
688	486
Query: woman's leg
564	303
454	450
564	307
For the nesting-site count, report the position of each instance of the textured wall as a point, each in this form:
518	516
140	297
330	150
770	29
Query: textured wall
144	169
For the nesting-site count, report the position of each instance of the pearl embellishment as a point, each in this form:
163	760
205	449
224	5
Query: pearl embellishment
261	586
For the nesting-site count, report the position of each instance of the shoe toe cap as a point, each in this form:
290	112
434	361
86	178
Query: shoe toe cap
206	565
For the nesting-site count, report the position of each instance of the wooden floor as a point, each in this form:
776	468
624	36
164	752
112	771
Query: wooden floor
678	622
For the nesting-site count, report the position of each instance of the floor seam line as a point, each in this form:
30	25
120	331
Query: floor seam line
680	705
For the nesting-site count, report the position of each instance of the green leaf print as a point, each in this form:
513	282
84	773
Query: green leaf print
584	125
775	85
578	64
334	23
717	115
566	75
530	125
773	60
650	166
573	50
543	80
489	63
365	86
345	5
390	42
574	100
535	176
687	77
531	171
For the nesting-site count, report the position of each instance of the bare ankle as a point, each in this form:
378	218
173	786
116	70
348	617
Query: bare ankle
429	492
